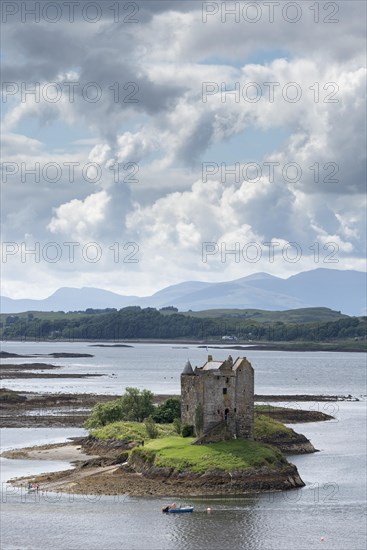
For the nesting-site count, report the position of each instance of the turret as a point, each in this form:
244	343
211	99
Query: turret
188	370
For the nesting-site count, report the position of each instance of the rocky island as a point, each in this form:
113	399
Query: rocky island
222	443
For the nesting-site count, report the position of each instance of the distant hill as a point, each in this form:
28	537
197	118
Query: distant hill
69	299
343	291
303	315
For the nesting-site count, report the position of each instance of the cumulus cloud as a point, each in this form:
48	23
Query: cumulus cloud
78	219
151	112
135	146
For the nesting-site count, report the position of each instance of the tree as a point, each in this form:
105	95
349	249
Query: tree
105	413
168	411
135	405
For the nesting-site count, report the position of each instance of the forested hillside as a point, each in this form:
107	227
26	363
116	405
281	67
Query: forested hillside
137	323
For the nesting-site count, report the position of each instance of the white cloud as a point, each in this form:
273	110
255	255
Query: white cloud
99	153
78	219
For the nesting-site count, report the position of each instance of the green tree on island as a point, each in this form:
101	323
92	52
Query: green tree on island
135	405
168	411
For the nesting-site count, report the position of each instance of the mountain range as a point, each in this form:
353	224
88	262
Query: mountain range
339	290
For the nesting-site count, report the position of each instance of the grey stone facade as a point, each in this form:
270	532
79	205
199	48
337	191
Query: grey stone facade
219	391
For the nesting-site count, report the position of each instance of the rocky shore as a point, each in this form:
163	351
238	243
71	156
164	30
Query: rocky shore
107	471
293	444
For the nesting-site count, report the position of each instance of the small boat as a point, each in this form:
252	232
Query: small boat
177	509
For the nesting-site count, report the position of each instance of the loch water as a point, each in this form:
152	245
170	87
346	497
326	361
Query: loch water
328	513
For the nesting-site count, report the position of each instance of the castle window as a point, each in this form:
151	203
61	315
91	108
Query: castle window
224	391
227	380
235	410
217	377
218	411
187	407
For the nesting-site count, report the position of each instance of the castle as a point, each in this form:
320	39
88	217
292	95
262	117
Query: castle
220	393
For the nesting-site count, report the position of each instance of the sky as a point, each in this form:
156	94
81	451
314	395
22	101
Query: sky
149	143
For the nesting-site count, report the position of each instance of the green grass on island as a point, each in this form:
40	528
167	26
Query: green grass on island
268	427
130	431
179	453
174	451
136	431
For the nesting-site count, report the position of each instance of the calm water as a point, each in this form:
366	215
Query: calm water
158	367
331	506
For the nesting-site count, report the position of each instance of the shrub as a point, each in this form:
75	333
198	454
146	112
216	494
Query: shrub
130	431
187	430
177	424
151	428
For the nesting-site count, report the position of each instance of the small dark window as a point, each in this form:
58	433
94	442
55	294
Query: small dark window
217	377
218	411
235	410
187	407
227	380
224	391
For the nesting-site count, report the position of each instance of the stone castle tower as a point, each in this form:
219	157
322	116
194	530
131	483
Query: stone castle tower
220	392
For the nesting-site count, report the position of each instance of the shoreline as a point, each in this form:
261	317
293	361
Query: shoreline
93	474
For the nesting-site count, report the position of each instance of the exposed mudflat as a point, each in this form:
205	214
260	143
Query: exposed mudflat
10	375
56	355
27	366
31	370
35	410
303	397
26	409
110	346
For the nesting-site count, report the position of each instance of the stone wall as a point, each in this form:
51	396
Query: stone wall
219	398
245	400
189	398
